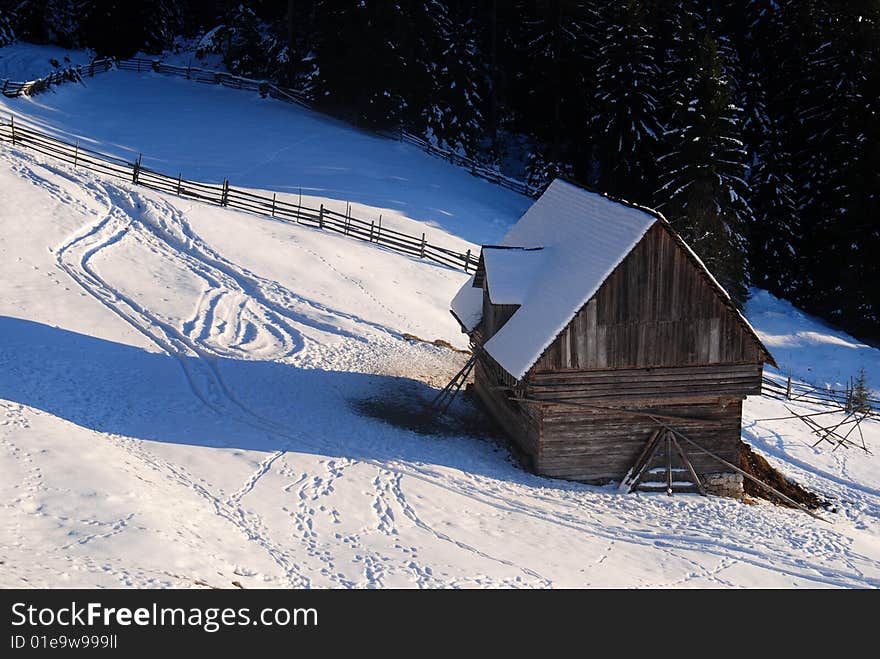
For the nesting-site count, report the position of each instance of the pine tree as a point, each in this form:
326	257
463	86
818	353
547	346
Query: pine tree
861	401
249	44
453	113
370	60
46	21
625	123
774	232
552	56
838	115
298	60
702	188
7	34
120	28
774	237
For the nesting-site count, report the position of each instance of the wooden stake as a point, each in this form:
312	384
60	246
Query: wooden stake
136	170
645	457
273	204
688	465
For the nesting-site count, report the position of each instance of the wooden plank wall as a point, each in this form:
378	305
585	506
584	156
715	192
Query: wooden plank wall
494	316
520	423
646	385
655	309
601	446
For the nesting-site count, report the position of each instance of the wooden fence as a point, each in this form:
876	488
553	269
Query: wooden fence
781	388
69	74
224	194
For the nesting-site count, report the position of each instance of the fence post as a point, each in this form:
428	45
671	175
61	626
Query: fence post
273	204
467	260
12	126
224	197
422	250
75	154
179	177
372	224
136	170
5	85
788	387
347	217
321	217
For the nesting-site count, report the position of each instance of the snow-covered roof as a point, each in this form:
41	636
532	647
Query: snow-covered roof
584	236
510	272
467	305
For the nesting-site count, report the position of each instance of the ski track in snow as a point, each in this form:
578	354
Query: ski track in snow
120	219
240	315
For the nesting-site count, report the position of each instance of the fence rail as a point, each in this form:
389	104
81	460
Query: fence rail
12	89
322	218
474	167
847	399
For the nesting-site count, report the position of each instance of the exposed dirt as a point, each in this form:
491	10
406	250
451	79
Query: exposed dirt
757	466
408	407
440	343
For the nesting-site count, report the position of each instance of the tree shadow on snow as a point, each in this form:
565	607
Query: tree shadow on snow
126	390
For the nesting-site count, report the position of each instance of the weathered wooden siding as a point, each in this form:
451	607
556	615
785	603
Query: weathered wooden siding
646	385
520	423
655	309
494	316
602	445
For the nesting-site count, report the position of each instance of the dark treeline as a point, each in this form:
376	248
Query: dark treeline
751	124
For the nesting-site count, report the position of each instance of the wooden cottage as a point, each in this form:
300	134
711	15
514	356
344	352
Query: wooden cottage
598	331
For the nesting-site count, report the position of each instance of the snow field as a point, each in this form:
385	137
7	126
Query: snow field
177	385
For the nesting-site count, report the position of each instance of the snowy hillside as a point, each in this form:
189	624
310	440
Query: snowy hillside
182	387
207	134
24	61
